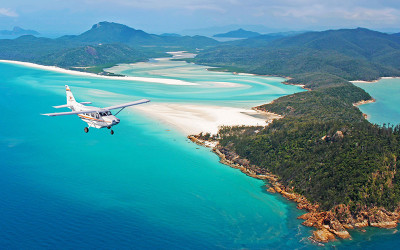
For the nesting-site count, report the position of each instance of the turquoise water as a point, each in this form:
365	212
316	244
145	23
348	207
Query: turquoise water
386	109
147	186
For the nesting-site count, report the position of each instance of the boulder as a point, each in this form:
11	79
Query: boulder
323	235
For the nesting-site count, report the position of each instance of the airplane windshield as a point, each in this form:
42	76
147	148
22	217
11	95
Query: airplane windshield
106	113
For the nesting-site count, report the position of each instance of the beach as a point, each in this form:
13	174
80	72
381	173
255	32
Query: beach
375	81
193	119
78	73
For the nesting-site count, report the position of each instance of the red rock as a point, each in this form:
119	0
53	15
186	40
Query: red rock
323	235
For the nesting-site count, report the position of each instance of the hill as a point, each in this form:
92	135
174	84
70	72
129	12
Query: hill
93	55
30	48
240	33
18	31
109	32
349	53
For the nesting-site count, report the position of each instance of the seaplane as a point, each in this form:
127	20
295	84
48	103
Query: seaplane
95	117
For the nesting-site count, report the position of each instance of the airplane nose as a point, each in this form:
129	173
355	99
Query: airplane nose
116	121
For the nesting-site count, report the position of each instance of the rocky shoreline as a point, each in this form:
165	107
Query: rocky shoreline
364	102
330	224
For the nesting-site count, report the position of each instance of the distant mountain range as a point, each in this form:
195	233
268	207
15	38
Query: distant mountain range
348	53
210	31
18	31
239	33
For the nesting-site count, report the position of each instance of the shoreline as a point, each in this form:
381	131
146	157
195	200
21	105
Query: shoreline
362	103
329	224
120	78
377	80
194	118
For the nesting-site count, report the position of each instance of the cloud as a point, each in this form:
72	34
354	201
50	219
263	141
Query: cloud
386	15
352	14
7	12
210	5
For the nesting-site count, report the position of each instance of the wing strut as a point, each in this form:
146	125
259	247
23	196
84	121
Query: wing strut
119	111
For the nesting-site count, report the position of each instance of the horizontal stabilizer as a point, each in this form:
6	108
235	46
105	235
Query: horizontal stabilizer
62	106
127	104
85	102
72	113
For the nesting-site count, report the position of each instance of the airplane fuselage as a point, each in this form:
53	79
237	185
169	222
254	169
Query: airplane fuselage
101	119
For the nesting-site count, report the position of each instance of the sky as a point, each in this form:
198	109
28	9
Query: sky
59	17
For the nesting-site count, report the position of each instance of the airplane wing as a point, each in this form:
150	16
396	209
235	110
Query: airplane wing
71	113
68	106
94	111
127	104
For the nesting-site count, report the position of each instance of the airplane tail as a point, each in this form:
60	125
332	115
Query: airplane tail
70	96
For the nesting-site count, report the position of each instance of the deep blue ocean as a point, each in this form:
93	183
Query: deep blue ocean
145	187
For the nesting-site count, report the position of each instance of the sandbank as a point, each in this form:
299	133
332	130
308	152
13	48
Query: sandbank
78	73
194	119
374	81
181	54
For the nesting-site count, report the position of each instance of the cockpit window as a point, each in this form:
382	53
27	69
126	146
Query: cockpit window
106	113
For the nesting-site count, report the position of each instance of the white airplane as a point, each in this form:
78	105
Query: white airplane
93	116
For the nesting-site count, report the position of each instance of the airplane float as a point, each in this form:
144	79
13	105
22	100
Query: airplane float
93	116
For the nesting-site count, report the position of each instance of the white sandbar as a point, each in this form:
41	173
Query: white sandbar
78	73
193	119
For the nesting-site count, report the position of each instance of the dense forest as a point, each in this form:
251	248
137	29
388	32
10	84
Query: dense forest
325	150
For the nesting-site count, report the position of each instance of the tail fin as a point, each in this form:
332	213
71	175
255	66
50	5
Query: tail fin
70	96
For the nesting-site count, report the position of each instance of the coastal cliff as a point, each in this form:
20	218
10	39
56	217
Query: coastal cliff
330	224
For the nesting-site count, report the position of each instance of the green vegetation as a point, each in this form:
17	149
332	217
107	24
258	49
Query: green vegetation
99	69
357	169
105	43
323	148
358	54
94	55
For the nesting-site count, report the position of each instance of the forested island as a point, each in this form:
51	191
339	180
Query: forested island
323	149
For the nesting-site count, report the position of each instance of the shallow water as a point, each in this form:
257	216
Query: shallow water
147	186
386	109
